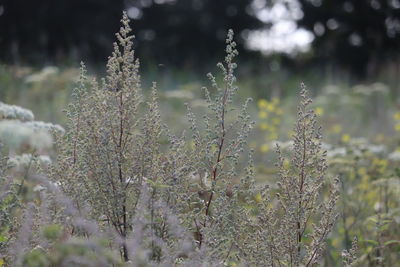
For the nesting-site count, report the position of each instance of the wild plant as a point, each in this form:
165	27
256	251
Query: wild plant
218	144
123	183
25	145
112	147
368	206
270	119
291	229
101	158
350	256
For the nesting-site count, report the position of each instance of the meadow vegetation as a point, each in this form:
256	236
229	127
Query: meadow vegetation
129	180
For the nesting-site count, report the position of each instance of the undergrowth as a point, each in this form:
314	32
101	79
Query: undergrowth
125	190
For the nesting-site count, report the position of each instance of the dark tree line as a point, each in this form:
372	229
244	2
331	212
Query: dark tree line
353	34
189	31
42	30
357	34
175	32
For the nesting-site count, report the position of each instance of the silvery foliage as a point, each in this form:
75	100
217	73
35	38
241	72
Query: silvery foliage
18	128
25	144
12	112
219	189
350	256
125	189
291	228
112	149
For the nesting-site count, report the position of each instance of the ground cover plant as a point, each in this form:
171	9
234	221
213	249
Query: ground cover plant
119	187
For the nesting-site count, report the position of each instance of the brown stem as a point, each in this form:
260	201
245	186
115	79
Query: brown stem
229	252
220	147
120	173
219	158
302	178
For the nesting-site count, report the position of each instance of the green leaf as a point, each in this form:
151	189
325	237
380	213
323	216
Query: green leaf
390	242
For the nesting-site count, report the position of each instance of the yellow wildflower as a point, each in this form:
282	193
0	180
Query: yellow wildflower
396	116
286	163
397	127
262	103
275	100
258	198
345	138
262	114
264	148
337	128
276	121
362	171
214	148
192	145
365	183
336	242
264	126
380	164
319	111
270	107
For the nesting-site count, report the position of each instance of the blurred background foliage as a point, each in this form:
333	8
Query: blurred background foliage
347	51
353	36
281	42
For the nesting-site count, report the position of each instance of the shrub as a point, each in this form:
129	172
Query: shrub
123	183
292	231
